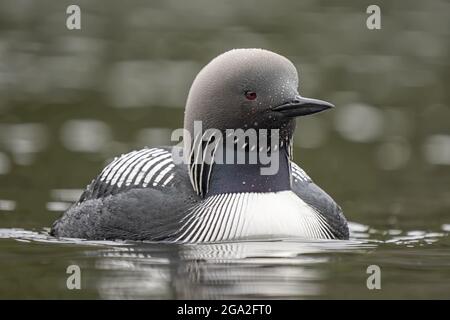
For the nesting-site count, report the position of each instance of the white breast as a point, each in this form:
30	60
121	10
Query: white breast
250	215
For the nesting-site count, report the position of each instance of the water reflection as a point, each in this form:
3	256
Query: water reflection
276	269
394	153
154	137
5	163
146	83
62	199
359	122
7	205
85	135
69	195
311	134
24	140
437	149
284	268
57	206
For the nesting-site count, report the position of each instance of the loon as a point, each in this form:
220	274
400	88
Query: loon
149	195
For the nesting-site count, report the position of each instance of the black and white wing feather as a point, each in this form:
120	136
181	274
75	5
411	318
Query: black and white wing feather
148	167
320	201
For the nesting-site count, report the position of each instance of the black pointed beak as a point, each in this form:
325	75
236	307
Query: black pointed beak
301	106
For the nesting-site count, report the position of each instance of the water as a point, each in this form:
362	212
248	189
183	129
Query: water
72	100
413	265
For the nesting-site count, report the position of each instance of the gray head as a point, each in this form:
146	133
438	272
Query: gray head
248	88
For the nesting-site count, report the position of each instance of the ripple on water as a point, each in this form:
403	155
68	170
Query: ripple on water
361	236
283	268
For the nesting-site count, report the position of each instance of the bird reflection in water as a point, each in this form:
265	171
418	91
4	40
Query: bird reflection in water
251	269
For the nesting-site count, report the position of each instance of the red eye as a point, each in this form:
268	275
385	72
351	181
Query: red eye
250	95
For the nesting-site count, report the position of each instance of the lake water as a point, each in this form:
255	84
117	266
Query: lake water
412	265
72	100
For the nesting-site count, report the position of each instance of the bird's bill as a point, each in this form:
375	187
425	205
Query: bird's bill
301	106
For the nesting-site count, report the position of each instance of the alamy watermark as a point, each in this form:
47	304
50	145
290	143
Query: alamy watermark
73	21
374	280
373	21
231	146
74	280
